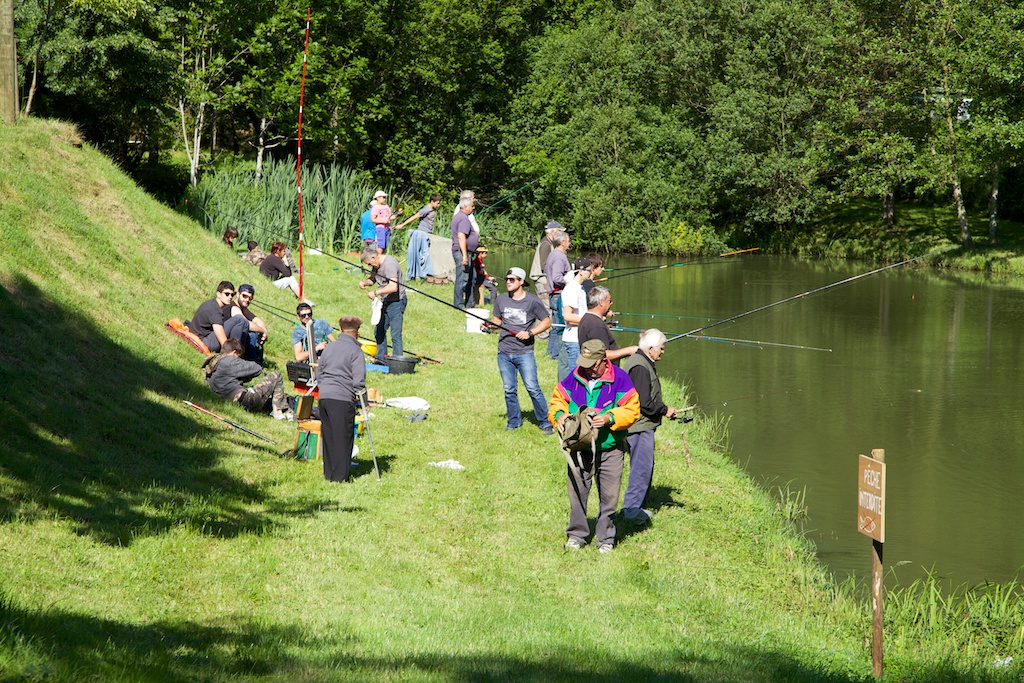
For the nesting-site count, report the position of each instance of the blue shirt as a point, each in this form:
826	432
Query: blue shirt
367	228
321	330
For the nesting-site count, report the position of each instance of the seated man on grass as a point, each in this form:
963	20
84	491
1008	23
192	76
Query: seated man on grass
213	322
226	373
257	336
323	333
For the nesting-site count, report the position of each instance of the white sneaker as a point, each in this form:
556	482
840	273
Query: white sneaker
605	548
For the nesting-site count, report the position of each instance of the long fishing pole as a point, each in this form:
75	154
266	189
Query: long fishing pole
298	156
800	296
753	343
727	401
225	420
268	308
509	196
664	315
646	269
735	342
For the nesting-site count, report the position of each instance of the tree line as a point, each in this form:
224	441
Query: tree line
647	125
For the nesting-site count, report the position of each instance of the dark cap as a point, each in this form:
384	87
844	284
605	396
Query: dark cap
247	289
591	353
553	225
582	263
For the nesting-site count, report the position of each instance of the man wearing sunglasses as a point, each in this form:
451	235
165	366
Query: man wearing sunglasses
257	336
213	322
322	333
522	316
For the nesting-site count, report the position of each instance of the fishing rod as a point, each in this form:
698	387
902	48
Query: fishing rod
801	296
727	401
735	342
510	195
225	420
503	241
645	269
662	315
271	312
753	343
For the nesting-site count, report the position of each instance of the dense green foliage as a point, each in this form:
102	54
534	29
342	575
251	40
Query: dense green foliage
647	125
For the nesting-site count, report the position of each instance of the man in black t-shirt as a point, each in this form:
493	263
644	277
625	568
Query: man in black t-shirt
592	324
522	316
213	322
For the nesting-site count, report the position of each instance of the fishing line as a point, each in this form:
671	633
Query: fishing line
802	295
705	259
662	315
267	307
727	401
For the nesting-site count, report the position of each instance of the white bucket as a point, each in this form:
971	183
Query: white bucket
473	319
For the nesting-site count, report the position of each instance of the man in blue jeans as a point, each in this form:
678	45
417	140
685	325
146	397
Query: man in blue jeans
386	281
521	316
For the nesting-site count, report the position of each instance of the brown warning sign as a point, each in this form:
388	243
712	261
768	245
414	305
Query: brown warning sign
871	498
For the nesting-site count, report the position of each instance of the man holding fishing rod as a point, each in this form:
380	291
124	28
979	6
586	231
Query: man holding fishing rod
522	316
641	371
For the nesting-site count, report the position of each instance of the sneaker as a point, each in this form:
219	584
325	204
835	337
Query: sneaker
548	431
605	548
510	428
574	543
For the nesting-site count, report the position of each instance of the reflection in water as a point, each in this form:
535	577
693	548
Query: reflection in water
923	366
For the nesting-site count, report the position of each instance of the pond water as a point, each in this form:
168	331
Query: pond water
924	366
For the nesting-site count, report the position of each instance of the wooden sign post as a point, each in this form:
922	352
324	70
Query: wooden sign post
871	522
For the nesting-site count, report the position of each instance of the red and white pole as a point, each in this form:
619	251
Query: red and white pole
298	163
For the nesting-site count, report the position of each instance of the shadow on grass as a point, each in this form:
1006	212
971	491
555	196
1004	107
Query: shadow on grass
59	645
86	438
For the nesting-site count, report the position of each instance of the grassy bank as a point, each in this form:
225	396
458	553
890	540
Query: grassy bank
142	542
857	232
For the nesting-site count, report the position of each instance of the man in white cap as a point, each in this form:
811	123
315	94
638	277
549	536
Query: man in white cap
522	316
380	214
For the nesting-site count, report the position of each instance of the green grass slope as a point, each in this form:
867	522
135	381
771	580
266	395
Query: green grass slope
140	541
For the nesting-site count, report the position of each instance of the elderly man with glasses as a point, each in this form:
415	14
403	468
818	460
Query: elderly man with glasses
521	316
613	406
322	334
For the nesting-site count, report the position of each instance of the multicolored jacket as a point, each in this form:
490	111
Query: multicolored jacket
613	393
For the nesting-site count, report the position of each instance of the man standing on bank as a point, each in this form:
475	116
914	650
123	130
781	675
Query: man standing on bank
597	384
386	274
342	377
640	367
592	325
465	240
522	316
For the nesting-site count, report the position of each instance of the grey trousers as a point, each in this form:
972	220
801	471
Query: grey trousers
608	470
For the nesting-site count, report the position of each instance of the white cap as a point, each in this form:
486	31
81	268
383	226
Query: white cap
380	193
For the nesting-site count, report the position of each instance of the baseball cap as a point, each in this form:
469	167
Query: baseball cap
553	225
247	289
582	263
516	272
380	193
591	353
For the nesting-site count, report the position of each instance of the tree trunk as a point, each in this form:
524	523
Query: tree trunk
195	150
993	203
261	148
38	56
888	209
961	212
